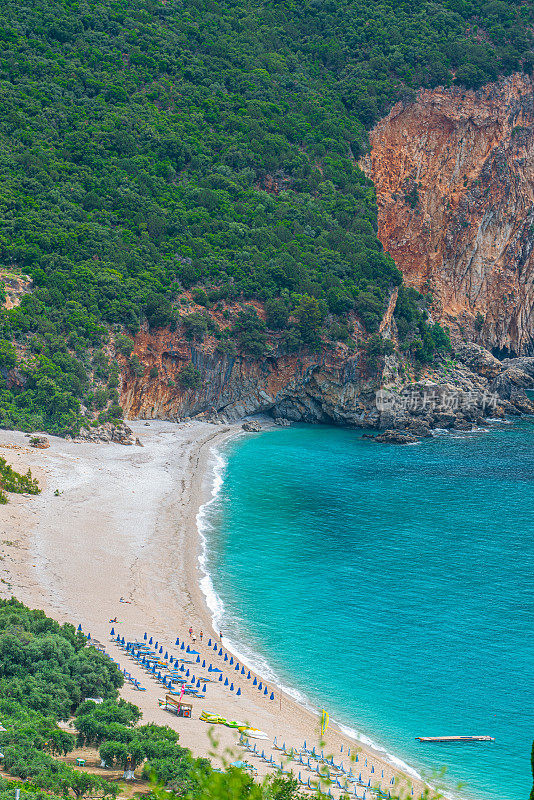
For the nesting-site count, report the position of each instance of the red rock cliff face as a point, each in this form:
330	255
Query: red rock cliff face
454	175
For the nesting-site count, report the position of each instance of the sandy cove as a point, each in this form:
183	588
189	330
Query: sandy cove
124	525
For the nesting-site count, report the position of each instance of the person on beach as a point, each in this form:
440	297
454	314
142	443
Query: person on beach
220	635
194	638
201	635
190	631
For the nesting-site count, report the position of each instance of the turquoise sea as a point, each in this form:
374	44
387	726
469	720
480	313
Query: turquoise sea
393	585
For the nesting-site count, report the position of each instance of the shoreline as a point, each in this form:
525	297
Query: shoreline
253	660
125	524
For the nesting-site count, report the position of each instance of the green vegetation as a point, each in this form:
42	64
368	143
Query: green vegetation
11	481
149	148
46	672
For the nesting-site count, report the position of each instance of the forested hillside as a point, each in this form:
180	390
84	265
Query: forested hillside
147	148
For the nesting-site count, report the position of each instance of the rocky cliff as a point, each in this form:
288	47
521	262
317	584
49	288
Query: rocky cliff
454	175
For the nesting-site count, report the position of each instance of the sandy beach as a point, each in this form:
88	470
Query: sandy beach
115	521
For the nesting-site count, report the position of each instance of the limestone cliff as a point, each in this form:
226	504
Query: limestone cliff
454	175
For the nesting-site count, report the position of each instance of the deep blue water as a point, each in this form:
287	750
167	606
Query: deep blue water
393	585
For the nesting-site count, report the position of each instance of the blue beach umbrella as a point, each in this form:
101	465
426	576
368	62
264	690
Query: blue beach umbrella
198	684
187	674
204	689
231	687
79	628
372	769
255	682
203	664
242	670
88	636
226	681
226	656
150	642
231	660
187	649
177	642
182	646
265	691
209	642
260	685
248	676
236	667
156	645
215	646
112	632
210	668
198	660
238	692
220	651
166	655
272	696
145	636
182	668
220	676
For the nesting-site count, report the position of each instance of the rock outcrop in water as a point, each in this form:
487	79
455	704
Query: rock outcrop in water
454	175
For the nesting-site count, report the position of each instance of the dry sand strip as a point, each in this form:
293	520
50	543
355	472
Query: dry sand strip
124	525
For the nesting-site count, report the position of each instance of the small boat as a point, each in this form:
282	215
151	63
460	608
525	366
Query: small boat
455	738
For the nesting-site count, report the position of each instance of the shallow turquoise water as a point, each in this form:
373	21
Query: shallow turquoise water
394	585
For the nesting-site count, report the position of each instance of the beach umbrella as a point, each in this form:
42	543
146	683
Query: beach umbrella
231	687
255	682
122	640
198	659
266	691
177	642
182	667
382	774
226	656
150	642
242	670
156	645
112	632
209	642
187	649
204	689
220	651
237	667
357	757
144	636
182	646
272	696
187	674
210	668
79	628
171	660
260	685
238	692
220	677
166	655
198	684
226	681
248	676
231	660
88	636
215	646
203	664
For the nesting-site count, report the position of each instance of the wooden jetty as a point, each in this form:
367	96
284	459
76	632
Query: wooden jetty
455	738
